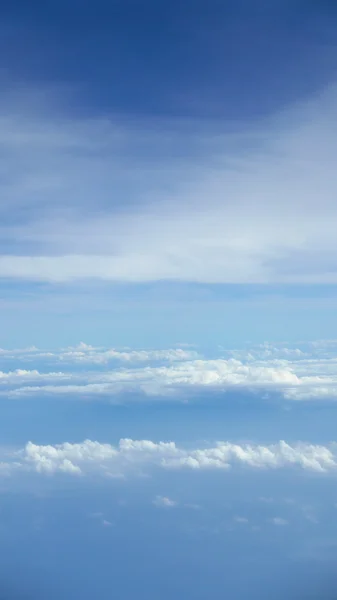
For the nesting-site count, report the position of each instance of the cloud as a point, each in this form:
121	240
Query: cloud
92	458
203	205
301	373
106	523
164	502
295	380
22	375
279	521
89	354
85	353
192	506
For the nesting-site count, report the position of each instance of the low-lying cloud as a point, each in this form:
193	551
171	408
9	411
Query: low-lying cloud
309	373
92	458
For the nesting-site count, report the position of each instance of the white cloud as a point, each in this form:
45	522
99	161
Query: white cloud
296	374
89	354
140	456
66	457
257	206
85	353
22	375
164	502
175	380
13	352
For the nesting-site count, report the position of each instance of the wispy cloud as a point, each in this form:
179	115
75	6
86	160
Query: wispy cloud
201	205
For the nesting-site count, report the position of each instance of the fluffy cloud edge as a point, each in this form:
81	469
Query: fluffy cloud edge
129	457
295	374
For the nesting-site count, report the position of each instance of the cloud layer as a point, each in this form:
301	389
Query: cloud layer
133	456
307	372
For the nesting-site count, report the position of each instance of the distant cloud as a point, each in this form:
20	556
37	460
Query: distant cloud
89	354
85	353
164	502
296	374
279	521
23	375
138	456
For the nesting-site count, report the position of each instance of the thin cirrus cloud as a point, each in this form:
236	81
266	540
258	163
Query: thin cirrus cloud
133	456
253	206
309	373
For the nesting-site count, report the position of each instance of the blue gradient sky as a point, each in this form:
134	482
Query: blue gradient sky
168	287
167	161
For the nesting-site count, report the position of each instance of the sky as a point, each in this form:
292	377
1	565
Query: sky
168	288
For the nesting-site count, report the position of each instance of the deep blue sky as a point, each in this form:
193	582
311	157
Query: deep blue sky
212	60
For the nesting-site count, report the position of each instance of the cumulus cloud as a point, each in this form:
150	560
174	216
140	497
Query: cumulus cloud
309	373
179	379
92	458
64	457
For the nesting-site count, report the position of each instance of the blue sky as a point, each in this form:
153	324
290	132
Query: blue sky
168	287
167	162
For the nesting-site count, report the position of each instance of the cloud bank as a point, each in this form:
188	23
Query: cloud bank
92	458
308	372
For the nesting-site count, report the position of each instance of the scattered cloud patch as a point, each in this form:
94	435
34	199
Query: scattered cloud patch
164	502
279	521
